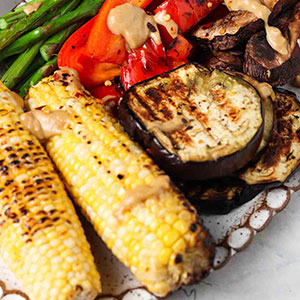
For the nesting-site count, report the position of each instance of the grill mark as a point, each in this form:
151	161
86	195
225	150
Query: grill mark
145	105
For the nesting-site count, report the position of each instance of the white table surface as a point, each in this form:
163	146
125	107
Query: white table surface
268	269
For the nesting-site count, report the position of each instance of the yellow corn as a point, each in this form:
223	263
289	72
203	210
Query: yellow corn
159	238
41	238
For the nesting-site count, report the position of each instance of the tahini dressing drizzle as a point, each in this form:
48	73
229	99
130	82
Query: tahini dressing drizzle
274	35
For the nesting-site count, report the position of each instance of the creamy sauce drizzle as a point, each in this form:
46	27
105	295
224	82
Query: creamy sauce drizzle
14	98
133	24
31	8
144	192
296	81
165	20
71	78
274	35
45	125
263	88
170	126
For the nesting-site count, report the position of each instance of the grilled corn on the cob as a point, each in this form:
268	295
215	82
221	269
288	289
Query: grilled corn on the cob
141	217
41	238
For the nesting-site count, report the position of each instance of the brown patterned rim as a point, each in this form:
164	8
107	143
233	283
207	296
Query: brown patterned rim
5	293
255	220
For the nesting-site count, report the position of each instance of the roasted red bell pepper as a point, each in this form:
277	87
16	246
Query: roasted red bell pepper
102	44
179	49
187	13
143	63
73	54
72	48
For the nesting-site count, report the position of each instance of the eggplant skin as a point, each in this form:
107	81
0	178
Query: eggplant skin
170	162
218	196
280	160
227	33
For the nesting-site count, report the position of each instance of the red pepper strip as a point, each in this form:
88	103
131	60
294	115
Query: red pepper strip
143	63
187	13
73	55
69	51
179	49
102	44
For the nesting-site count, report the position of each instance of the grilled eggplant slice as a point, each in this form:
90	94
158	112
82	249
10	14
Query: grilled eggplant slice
279	161
227	33
195	124
265	64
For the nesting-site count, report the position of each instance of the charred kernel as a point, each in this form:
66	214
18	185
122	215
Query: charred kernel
3	169
15	163
79	288
28	194
120	176
43	220
39	181
30	143
193	227
48	178
16	221
41	212
20	150
8	182
28	241
186	204
53	211
1	190
8	149
7	211
24	212
178	259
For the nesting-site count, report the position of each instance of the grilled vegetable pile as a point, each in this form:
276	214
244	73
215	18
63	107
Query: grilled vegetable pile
32	35
219	137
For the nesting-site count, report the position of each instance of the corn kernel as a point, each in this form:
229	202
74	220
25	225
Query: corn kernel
162	230
164	256
170	237
181	227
